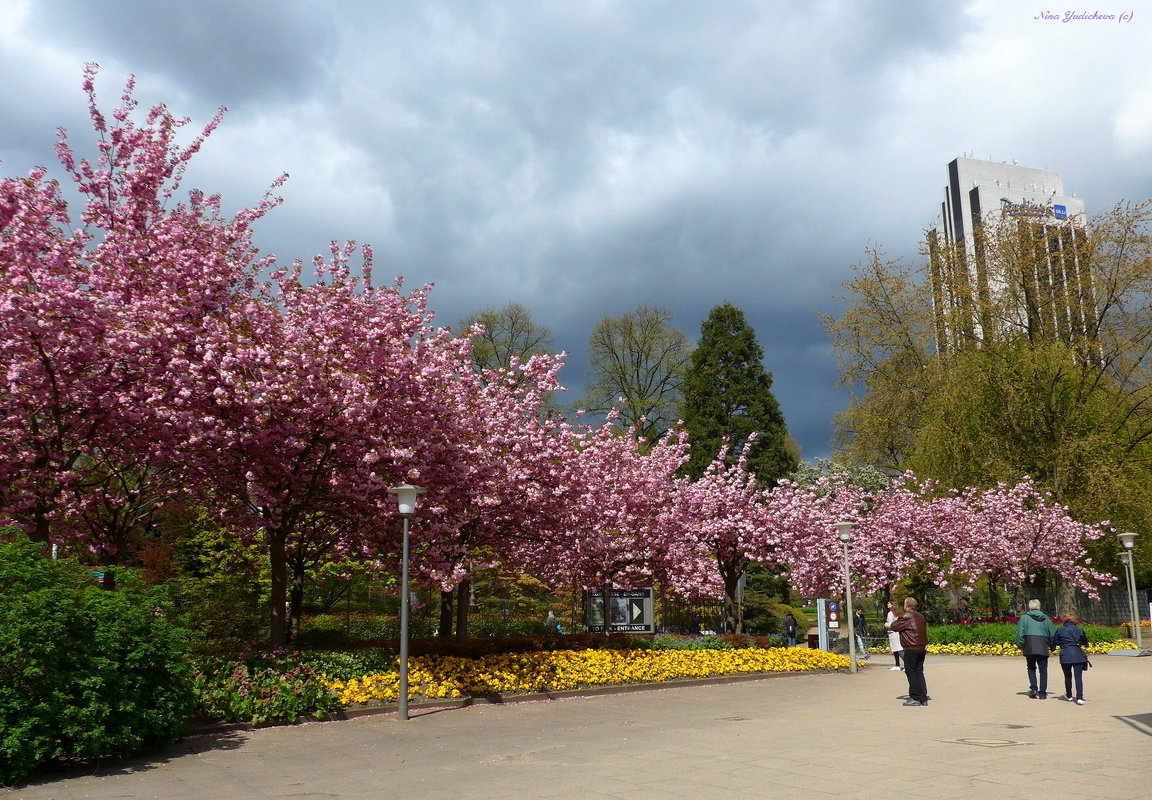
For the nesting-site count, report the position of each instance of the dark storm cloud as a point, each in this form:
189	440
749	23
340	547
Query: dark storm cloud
585	157
223	52
588	158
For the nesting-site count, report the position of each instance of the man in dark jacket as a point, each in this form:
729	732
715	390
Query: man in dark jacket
790	629
913	630
860	626
1034	635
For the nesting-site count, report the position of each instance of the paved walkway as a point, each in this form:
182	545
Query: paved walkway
797	736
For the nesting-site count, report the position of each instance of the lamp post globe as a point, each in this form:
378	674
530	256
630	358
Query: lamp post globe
844	530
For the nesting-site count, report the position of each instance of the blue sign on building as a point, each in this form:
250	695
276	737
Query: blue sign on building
1060	212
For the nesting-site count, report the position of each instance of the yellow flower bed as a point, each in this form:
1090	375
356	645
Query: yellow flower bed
446	676
1013	650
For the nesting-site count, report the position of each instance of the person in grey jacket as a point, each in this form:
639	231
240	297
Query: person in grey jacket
1034	635
1072	640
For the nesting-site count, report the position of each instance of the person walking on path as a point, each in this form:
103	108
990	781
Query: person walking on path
913	630
1072	640
860	626
893	637
1034	634
790	629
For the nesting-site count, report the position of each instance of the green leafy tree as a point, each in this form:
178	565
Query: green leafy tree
637	363
885	343
1046	372
220	583
508	333
862	476
728	398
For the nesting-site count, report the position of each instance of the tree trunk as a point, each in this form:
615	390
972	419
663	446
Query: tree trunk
43	527
463	594
446	614
993	599
296	606
278	564
731	615
731	571
1065	598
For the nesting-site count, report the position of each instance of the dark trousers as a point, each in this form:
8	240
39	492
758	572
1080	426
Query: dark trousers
914	671
1069	671
1037	663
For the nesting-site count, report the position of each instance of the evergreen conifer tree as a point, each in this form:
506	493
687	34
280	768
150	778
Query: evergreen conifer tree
728	394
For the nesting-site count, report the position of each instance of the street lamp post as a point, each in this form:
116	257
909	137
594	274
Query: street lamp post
1127	539
406	495
844	531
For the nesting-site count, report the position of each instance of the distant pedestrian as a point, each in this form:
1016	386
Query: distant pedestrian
553	623
790	629
1072	640
913	630
1034	634
860	627
893	637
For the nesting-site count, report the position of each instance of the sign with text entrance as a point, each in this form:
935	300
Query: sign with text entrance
629	611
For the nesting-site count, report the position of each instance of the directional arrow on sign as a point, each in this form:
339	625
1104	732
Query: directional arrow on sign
637	609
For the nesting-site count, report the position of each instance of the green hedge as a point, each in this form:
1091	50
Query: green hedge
84	673
1004	633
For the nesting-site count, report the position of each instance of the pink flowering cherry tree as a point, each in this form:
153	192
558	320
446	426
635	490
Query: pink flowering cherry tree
799	533
495	478
613	531
308	402
1015	531
719	517
92	309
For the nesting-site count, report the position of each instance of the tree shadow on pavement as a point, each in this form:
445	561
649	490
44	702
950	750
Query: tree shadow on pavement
190	745
1141	722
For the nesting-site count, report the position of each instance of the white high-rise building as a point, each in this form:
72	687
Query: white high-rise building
979	288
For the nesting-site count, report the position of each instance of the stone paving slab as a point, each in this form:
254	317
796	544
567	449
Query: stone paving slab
806	736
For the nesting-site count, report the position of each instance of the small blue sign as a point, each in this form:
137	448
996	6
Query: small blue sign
1060	212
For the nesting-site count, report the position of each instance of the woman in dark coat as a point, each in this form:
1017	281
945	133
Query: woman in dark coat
1072	640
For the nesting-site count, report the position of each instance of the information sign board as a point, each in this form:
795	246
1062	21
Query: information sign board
629	611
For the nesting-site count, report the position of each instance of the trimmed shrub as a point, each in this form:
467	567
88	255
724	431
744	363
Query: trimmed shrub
84	673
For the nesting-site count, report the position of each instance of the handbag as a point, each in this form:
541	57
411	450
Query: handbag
1087	665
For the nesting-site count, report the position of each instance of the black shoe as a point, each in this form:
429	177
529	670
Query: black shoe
1032	693
911	702
1042	697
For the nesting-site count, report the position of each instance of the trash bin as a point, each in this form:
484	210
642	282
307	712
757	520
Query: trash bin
814	641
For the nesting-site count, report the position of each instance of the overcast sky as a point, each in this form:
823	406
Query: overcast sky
587	156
